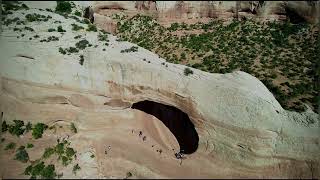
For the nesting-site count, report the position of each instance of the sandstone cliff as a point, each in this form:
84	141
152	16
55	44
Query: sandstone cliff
243	131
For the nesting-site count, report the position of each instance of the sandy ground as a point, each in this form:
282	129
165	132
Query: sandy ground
117	149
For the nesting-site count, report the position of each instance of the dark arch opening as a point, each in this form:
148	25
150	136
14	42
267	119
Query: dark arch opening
176	120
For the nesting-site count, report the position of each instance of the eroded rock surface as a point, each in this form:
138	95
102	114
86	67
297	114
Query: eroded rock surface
168	12
243	131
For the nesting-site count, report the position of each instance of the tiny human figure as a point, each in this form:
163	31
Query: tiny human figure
132	131
140	133
105	152
109	147
144	138
180	156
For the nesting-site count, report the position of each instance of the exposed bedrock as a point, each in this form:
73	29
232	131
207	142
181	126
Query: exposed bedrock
238	121
192	11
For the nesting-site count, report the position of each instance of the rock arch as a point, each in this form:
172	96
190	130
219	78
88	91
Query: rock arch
176	120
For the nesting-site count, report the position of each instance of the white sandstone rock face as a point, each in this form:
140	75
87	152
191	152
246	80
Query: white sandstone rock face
243	131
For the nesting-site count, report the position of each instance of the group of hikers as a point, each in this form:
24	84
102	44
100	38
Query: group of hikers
179	155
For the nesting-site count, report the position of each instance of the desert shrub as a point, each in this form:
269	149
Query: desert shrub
59	29
103	37
17	129
51	30
77	13
62	51
29	145
3	139
82	44
4	126
187	71
129	174
81	63
77	37
76	27
37	17
38	130
92	27
9	146
28	28
76	168
92	156
48	152
48	172
131	49
72	50
72	126
41	170
22	155
63	7
85	21
28	127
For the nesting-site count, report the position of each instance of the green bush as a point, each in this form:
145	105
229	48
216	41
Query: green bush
17	129
60	29
187	71
11	145
76	27
48	152
92	27
28	127
51	30
63	7
4	127
48	172
62	51
38	129
77	13
131	49
77	37
73	127
22	155
29	145
45	172
76	168
82	44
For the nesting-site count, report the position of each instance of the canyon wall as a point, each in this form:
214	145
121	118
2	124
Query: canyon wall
192	11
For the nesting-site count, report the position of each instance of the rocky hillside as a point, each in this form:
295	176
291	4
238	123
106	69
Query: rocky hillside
179	11
68	98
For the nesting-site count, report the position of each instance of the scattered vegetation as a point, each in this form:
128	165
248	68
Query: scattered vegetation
63	7
39	169
9	146
4	126
76	27
17	128
76	168
132	49
92	27
50	38
187	71
282	55
77	37
82	44
22	155
73	128
29	145
60	29
38	130
37	17
77	13
51	30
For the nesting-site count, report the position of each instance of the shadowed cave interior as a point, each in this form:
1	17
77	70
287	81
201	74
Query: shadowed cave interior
176	120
